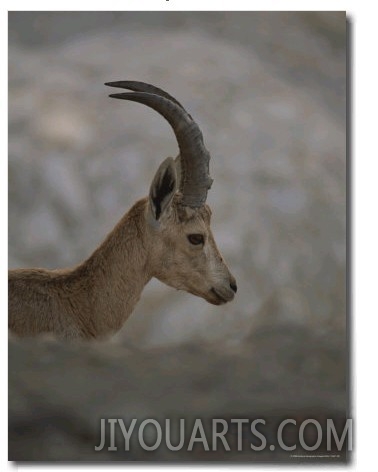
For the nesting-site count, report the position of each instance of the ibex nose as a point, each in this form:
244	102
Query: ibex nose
233	285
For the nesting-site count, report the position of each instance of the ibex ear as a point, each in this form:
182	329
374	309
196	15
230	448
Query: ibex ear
163	187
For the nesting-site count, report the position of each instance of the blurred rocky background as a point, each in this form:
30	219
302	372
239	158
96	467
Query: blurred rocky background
269	92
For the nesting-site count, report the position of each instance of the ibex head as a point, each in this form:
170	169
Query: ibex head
183	252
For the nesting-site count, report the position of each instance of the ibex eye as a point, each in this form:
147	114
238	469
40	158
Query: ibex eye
196	239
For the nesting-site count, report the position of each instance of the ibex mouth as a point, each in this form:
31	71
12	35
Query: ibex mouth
219	299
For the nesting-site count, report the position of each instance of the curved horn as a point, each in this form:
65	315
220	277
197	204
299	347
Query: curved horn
195	179
144	87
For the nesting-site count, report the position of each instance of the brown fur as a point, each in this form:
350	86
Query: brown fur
95	298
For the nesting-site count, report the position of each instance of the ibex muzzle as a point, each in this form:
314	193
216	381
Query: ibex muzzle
166	235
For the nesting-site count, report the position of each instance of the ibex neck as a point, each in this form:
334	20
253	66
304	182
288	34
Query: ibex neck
117	272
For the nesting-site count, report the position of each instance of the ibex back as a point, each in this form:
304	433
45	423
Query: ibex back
166	235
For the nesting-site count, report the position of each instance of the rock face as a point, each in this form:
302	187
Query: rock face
269	92
59	393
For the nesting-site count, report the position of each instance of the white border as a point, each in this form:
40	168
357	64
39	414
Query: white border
186	5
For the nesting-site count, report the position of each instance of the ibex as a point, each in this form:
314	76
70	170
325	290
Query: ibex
166	235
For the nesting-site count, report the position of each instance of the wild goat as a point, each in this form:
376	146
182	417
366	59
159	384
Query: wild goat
166	235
